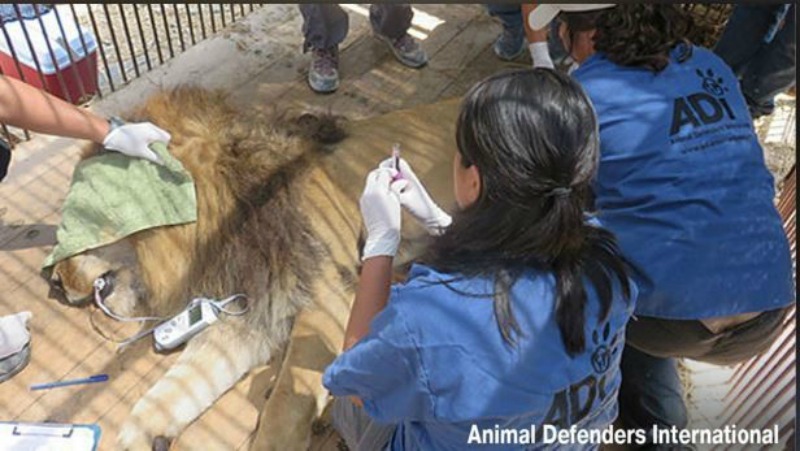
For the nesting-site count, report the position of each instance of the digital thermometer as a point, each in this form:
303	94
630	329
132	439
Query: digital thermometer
174	332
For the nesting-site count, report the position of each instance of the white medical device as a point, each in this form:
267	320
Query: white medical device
174	332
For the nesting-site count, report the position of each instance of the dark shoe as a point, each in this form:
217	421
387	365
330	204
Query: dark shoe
510	44
406	50
323	75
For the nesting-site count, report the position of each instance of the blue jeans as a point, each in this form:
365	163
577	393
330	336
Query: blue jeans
357	429
651	393
325	25
510	15
760	48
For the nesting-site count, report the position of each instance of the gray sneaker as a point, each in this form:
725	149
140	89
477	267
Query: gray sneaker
323	75
406	50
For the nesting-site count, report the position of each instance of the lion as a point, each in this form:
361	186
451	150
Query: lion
278	221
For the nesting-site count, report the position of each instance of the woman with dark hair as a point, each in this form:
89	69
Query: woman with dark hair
683	185
515	317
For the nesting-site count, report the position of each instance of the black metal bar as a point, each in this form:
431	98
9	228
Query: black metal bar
202	20
222	13
83	41
6	134
30	46
233	12
21	77
166	29
13	54
73	66
128	37
59	75
141	36
241	9
116	44
191	24
155	33
213	22
180	28
99	44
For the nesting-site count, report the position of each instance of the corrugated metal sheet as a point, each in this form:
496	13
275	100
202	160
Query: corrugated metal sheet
762	390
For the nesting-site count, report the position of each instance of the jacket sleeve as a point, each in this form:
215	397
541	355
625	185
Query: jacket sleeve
385	370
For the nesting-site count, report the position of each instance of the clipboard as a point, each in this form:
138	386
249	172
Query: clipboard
16	436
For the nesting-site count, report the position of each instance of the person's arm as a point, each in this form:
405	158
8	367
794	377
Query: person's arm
24	106
380	210
371	297
537	40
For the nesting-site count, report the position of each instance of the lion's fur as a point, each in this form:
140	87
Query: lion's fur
251	235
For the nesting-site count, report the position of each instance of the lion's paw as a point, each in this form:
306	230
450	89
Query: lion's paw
133	436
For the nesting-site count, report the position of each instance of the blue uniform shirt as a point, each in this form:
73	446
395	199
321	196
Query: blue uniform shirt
683	185
435	364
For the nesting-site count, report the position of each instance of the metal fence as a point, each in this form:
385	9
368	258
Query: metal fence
77	51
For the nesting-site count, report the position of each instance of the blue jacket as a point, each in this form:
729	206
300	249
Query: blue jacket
435	364
683	185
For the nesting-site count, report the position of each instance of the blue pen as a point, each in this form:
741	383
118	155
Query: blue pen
85	380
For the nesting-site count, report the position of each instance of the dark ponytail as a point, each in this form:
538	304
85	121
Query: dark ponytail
533	136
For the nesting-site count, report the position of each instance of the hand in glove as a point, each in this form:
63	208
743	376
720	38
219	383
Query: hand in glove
414	198
133	140
380	210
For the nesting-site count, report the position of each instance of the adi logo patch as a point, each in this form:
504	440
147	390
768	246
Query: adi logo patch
702	108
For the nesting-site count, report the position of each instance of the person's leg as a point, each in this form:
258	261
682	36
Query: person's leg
511	43
747	340
650	393
743	36
357	429
772	70
390	23
324	25
324	28
390	20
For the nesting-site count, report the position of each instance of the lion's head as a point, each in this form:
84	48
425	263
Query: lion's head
250	234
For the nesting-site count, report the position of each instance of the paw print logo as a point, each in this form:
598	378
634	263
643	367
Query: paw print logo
712	83
604	351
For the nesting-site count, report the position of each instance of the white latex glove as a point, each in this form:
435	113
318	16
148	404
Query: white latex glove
380	210
414	198
133	140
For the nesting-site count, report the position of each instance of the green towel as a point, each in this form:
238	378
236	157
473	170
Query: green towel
113	196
